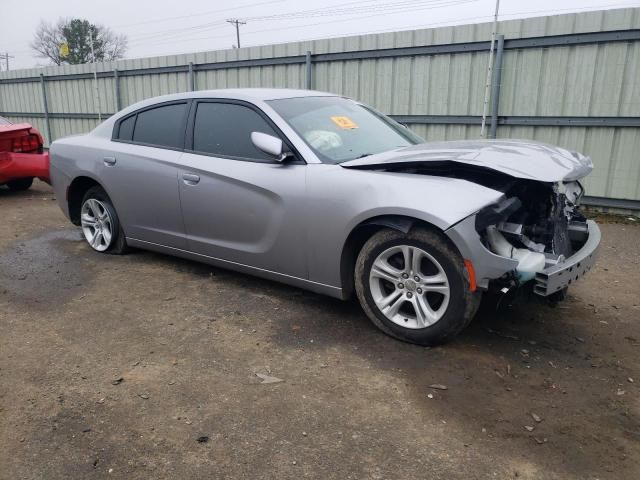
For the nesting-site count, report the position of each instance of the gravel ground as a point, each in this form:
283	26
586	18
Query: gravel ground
145	366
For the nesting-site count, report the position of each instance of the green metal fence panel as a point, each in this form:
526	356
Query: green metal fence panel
557	70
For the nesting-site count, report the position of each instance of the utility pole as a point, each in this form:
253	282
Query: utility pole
95	75
237	23
487	85
5	56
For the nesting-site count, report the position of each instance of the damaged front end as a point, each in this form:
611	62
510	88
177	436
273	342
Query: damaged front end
535	234
540	226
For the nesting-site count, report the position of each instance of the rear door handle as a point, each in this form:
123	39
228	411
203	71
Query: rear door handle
190	178
109	161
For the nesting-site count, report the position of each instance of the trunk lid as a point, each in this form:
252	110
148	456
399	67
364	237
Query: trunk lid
13	128
518	158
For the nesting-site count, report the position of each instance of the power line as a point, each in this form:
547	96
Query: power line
394	8
345	10
201	14
237	23
457	21
356	8
352	18
176	32
407	27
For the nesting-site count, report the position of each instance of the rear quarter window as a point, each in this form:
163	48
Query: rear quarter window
125	131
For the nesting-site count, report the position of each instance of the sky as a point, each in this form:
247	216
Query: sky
162	27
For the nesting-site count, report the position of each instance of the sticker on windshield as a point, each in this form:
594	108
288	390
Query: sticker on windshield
344	122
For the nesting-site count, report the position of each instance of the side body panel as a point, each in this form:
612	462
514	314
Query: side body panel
323	289
143	185
61	173
339	199
74	157
246	212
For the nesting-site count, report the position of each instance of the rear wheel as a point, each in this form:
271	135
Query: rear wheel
414	286
21	184
100	224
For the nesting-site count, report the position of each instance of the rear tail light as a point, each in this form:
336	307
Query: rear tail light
26	144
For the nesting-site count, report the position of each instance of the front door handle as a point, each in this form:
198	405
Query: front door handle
190	178
109	161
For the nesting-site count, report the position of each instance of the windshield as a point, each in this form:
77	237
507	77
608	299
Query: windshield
338	129
4	121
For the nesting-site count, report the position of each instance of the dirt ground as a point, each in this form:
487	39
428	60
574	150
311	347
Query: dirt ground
144	366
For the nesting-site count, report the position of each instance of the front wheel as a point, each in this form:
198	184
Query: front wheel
100	224
414	286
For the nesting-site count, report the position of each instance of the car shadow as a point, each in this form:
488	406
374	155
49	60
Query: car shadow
6	192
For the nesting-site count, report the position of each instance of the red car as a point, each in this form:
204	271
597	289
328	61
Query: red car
22	157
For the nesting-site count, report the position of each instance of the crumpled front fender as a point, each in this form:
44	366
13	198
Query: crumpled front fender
486	264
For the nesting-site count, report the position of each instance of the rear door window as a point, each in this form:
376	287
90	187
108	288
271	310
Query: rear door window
224	129
161	126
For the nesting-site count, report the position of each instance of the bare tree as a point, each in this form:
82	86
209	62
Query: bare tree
76	34
47	40
115	45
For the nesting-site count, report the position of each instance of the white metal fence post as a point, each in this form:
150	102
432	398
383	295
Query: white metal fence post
45	107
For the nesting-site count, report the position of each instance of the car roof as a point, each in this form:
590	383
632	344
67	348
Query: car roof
259	93
247	94
251	95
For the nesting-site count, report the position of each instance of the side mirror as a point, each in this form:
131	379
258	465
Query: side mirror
270	145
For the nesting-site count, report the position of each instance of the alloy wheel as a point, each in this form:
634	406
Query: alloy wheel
409	286
97	224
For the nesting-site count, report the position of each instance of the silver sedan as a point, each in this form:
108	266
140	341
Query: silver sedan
324	193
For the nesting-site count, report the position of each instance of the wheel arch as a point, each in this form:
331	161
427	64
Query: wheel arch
363	231
75	193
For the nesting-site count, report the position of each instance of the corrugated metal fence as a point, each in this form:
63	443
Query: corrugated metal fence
571	80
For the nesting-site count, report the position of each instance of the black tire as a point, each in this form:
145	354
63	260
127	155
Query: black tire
118	245
21	184
462	306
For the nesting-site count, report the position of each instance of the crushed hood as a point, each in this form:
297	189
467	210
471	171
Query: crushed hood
518	158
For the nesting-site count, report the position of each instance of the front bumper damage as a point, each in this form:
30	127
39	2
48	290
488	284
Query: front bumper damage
557	277
487	265
490	267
